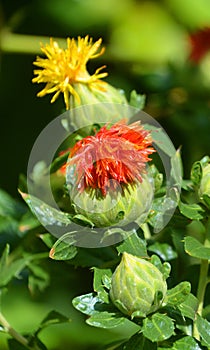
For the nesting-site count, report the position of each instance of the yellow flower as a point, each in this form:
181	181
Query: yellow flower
63	68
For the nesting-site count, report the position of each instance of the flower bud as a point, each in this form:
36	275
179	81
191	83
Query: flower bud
138	287
120	206
204	188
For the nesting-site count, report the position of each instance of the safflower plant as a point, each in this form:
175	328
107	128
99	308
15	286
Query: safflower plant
106	182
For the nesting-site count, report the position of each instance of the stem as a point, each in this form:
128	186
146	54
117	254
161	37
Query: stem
202	283
146	230
20	43
22	340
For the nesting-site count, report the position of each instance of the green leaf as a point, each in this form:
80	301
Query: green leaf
196	249
164	250
206	200
158	327
63	248
53	317
191	211
137	100
48	239
139	342
15	345
164	268
87	303
189	307
46	214
203	327
134	245
8	269
105	320
178	294
58	162
99	276
196	173
186	343
38	278
10	206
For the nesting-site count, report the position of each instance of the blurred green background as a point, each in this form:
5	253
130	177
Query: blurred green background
148	48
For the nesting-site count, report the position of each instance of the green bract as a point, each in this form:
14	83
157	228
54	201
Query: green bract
119	206
138	287
204	188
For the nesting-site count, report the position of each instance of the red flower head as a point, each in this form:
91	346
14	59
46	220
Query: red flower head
200	44
116	154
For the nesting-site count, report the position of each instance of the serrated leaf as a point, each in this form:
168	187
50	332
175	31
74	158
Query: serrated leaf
63	248
196	249
178	294
105	319
139	342
98	285
158	327
186	343
203	327
191	211
189	307
46	214
134	245
87	304
164	250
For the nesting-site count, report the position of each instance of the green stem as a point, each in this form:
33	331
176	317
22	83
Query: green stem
20	43
14	334
202	284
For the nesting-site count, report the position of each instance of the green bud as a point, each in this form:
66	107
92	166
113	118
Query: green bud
118	207
106	105
137	287
204	188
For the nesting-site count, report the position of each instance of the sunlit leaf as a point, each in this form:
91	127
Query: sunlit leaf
178	294
105	320
196	249
63	248
192	211
203	327
134	245
189	307
158	327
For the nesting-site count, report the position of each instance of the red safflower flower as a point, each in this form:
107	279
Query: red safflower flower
200	44
119	153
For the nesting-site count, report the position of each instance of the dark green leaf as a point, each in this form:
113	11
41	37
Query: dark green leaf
15	345
63	248
105	320
191	211
58	162
178	294
134	245
10	207
186	343
189	307
139	342
203	327
38	278
54	317
158	327
164	250
8	270
206	199
196	249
